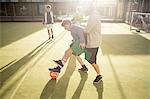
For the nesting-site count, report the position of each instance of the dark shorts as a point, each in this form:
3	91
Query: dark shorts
93	54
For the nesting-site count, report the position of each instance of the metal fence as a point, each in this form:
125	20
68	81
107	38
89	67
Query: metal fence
140	21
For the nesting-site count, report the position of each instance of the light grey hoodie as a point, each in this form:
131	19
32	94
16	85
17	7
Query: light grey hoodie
93	30
77	33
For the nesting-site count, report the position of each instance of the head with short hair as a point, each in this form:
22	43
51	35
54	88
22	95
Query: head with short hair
48	7
66	24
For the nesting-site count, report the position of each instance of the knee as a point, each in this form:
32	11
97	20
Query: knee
69	51
92	61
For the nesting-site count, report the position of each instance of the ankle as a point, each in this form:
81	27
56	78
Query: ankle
98	74
63	61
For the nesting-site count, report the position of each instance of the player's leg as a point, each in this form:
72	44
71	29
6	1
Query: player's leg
61	62
51	30
83	67
96	67
67	54
48	30
52	33
92	61
99	76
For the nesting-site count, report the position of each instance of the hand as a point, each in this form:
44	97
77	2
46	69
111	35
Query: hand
82	45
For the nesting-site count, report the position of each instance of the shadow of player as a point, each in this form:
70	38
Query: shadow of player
84	76
48	89
99	88
54	90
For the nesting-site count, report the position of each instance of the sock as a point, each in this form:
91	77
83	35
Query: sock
63	61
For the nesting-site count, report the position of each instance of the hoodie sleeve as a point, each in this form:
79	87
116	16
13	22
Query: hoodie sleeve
90	24
94	18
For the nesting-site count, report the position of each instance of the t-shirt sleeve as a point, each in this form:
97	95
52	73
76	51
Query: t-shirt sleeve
81	36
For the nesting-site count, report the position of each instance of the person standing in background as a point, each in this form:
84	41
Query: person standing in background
48	20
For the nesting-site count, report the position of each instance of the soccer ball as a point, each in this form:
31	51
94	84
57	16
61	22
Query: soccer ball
54	75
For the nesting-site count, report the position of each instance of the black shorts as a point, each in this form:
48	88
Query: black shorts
93	53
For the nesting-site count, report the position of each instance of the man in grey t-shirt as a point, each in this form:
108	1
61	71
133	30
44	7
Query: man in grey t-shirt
76	48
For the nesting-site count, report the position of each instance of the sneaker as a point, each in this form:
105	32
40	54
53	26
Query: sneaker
83	69
56	69
49	38
98	78
52	36
58	62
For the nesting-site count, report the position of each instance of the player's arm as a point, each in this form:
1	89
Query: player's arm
43	20
81	38
52	16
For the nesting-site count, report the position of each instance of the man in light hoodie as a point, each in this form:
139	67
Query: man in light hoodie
93	36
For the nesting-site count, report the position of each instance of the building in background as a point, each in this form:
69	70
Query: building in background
32	10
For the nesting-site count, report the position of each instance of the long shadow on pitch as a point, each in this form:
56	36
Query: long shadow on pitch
84	76
14	31
48	90
12	69
99	88
54	90
118	82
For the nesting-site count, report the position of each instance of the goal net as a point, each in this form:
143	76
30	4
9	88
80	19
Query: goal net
140	21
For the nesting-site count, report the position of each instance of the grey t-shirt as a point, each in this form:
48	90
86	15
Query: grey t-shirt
77	33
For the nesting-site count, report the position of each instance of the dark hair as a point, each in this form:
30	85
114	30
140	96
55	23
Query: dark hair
65	22
48	6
